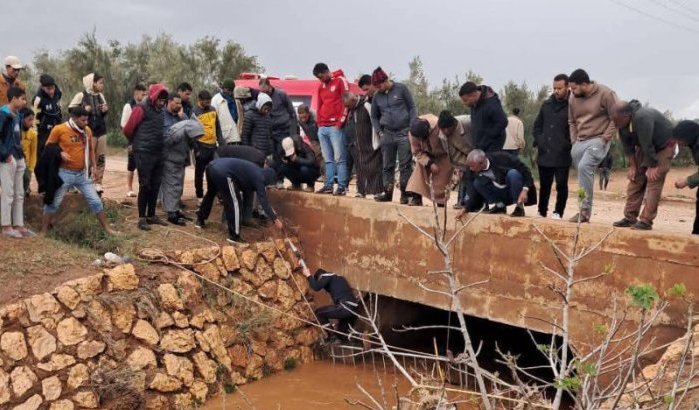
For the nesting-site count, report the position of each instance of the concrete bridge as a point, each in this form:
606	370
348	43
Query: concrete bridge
379	252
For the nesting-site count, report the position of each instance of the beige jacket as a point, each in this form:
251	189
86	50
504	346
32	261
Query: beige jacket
515	134
591	116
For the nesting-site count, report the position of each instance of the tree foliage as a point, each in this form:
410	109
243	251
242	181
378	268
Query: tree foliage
203	64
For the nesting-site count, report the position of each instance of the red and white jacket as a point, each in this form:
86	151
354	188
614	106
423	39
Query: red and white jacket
331	110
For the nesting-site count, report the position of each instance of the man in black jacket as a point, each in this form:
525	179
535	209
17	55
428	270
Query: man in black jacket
298	163
552	139
501	179
236	180
283	118
257	128
488	119
344	302
47	107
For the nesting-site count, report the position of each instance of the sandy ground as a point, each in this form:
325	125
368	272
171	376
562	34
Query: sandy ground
676	213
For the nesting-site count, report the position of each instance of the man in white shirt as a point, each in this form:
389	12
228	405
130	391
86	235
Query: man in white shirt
514	141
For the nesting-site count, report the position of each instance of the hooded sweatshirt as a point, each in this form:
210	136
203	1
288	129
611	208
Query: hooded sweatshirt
257	130
488	121
590	116
89	98
283	115
47	110
10	134
145	126
331	110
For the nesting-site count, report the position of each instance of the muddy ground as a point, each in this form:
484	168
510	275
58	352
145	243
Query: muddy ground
30	266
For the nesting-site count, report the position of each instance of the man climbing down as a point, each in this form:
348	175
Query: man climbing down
236	180
344	302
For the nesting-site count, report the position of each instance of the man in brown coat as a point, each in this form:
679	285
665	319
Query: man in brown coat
590	111
10	78
432	160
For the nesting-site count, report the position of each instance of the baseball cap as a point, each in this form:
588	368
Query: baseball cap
13	62
288	145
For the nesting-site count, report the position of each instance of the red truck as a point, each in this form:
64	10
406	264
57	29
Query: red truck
300	91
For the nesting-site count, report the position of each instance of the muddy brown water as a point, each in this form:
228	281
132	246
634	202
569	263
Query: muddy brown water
318	385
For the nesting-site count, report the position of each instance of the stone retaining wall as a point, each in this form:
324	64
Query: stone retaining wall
163	340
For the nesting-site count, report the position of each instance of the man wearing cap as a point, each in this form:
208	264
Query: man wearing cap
227	112
10	78
283	118
432	161
298	163
236	180
392	111
47	107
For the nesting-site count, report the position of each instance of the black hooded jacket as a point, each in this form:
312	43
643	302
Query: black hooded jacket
49	110
552	134
488	121
47	172
335	284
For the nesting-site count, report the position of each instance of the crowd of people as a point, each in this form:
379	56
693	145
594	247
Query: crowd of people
242	140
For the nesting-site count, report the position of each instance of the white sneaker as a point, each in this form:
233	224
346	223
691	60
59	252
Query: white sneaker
556	216
131	194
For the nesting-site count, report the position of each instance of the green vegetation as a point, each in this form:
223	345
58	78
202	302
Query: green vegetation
83	229
643	295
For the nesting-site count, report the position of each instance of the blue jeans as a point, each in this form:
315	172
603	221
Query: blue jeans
300	174
332	144
493	194
79	180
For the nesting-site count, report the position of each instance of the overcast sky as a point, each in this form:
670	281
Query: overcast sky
638	55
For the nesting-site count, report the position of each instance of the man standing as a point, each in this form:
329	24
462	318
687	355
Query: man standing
93	101
359	132
257	132
227	112
366	86
501	179
236	180
184	90
488	119
514	134
392	110
139	94
283	118
552	140
646	135
331	118
298	163
10	78
590	110
205	146
47	107
145	131
687	134
77	147
12	166
432	158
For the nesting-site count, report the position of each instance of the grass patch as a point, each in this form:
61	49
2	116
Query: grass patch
85	231
116	139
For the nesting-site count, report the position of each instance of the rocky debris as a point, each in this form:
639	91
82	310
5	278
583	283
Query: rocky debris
78	376
144	332
51	388
122	277
13	345
70	331
174	347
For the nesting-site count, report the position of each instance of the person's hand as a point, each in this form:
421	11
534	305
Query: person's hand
9	159
88	108
681	183
104	107
180	113
631	174
306	272
93	170
129	149
65	156
292	158
434	168
278	224
522	197
653	174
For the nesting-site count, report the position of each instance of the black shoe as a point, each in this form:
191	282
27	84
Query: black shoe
325	190
497	210
154	220
518	212
642	226
294	187
624	223
340	192
250	223
176	220
404	199
200	224
143	225
415	201
235	240
183	216
384	197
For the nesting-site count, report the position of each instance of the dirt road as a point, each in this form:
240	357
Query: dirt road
676	213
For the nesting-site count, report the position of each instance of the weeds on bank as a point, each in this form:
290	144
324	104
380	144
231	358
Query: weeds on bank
85	231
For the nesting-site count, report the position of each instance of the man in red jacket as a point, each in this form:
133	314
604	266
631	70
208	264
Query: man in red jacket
331	117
